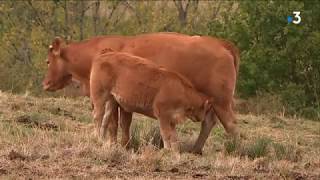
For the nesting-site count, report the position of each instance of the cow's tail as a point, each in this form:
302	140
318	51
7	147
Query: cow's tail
234	52
236	60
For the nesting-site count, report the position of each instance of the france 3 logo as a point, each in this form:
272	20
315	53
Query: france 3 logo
296	19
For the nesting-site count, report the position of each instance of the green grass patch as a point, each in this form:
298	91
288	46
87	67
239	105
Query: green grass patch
232	145
85	118
254	149
258	148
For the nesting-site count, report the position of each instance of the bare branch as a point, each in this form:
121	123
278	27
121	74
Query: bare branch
187	6
133	10
182	12
122	14
216	11
36	13
114	7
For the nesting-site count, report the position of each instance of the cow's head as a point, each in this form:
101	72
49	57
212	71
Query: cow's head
57	75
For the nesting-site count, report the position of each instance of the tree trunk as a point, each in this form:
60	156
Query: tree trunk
183	11
82	13
66	19
96	17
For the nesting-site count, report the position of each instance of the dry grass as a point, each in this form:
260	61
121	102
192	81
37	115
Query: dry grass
53	138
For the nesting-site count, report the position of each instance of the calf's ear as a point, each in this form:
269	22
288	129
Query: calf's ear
56	46
106	50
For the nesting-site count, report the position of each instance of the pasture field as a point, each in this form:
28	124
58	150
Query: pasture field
45	138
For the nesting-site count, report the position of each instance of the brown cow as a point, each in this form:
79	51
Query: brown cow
210	64
138	85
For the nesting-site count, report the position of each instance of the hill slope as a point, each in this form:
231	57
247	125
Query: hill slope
52	138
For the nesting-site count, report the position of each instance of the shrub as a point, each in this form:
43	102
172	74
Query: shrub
257	149
232	145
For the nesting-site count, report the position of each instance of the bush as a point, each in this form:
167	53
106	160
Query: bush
287	152
259	148
311	113
232	146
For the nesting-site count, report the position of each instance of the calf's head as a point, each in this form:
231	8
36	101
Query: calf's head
199	114
57	76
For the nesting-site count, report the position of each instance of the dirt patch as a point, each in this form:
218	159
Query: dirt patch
13	155
199	175
61	112
237	177
28	121
3	171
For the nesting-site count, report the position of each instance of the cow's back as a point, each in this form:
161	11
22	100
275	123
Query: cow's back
203	60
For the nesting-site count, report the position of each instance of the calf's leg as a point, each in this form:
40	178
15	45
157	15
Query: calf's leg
125	122
98	112
169	134
98	97
111	107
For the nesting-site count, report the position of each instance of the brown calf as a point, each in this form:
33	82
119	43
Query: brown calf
138	85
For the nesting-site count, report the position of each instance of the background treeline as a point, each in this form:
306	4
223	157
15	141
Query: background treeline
280	62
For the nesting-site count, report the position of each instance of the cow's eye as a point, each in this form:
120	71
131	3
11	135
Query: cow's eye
48	62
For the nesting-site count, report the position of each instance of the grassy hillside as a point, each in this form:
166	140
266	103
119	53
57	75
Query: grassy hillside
53	137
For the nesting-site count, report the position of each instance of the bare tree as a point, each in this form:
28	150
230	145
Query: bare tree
96	16
114	7
66	18
216	10
82	13
84	6
133	9
183	10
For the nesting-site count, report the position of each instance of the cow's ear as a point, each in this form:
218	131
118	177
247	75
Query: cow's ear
56	46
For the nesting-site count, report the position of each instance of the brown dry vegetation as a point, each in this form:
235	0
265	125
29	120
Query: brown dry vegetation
45	138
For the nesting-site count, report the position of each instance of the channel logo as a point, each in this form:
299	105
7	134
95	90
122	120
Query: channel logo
296	19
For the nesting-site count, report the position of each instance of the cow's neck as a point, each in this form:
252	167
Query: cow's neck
78	63
79	55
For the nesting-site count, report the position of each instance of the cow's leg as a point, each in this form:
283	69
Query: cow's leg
112	123
227	118
125	122
174	139
110	107
206	127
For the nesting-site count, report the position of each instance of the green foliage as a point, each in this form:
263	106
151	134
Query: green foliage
145	133
258	149
276	57
287	152
232	145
